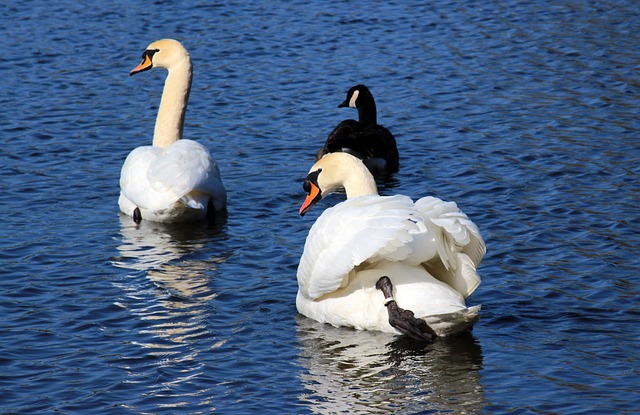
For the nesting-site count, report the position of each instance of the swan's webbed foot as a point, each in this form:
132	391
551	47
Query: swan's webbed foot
137	216
404	320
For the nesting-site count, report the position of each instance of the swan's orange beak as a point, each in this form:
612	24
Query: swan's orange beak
313	192
311	199
145	65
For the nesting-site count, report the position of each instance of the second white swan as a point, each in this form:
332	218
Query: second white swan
173	180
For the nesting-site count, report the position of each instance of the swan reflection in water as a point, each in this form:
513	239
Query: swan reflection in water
351	371
165	254
169	291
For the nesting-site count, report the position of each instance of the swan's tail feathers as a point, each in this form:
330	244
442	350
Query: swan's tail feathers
459	243
462	277
466	278
455	323
196	200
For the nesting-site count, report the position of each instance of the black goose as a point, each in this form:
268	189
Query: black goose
365	138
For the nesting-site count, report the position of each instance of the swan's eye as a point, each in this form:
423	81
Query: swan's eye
150	53
311	178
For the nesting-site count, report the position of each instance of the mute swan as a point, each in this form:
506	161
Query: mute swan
365	138
370	255
174	180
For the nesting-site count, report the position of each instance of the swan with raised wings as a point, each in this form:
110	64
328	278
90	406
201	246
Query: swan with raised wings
365	138
173	180
386	263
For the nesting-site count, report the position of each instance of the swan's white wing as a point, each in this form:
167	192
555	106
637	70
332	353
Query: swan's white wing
459	244
155	178
184	166
366	228
134	182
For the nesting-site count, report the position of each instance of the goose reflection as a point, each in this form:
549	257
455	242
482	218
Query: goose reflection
168	290
350	371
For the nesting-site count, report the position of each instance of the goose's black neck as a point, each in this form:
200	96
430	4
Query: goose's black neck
367	111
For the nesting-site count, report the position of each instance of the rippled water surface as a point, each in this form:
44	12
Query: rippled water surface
524	113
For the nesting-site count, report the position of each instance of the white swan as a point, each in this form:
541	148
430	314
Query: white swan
428	250
173	180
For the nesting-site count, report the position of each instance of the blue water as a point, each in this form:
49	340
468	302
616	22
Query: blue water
524	113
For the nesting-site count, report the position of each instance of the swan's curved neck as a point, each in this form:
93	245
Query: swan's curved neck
356	179
363	186
173	105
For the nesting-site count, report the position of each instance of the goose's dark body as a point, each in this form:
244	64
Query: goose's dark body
365	138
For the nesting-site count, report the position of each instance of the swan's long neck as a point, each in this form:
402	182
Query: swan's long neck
356	179
173	105
365	185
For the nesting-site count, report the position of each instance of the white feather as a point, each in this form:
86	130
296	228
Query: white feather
170	184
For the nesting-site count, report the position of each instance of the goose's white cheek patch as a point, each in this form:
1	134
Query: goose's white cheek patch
354	98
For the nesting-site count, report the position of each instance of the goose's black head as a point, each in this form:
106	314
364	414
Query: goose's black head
357	96
360	97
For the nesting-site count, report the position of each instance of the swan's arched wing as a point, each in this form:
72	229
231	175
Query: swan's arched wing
155	178
187	166
134	180
184	166
366	228
459	244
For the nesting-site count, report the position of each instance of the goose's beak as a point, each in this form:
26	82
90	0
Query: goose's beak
343	104
145	65
313	192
